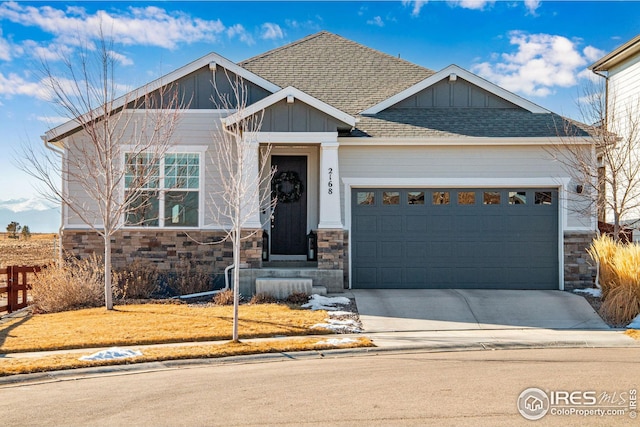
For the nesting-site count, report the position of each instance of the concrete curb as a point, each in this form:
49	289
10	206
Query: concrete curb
478	345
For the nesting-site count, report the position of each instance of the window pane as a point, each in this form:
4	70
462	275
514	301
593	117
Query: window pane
440	197
365	198
491	198
415	197
141	171
543	198
182	171
390	198
181	209
517	197
143	209
466	197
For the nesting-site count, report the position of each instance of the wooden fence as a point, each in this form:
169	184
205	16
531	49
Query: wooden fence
14	285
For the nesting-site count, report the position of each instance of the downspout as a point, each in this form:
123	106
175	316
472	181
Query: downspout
60	153
226	275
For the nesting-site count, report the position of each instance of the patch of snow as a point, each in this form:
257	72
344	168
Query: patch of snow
635	323
336	341
111	354
591	291
319	302
349	326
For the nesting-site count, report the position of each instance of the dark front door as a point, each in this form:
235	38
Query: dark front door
288	234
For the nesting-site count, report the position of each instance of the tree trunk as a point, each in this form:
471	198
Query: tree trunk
236	282
108	294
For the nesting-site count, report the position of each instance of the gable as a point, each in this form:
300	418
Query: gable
298	117
458	93
452	74
202	89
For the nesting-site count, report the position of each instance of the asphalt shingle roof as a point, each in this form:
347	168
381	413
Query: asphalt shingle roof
456	122
353	77
340	72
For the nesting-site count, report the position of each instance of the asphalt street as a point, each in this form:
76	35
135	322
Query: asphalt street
474	388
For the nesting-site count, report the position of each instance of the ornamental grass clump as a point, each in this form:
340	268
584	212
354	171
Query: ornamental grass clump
69	285
139	280
619	279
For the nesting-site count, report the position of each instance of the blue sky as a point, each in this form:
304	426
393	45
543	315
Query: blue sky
538	49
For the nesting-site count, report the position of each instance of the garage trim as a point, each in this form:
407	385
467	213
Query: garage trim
560	183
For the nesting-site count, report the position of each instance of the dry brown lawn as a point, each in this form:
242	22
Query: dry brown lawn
152	324
133	325
633	333
38	250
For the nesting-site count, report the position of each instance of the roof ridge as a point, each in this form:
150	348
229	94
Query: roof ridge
325	32
286	46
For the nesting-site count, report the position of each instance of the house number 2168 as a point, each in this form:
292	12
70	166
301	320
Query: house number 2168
330	183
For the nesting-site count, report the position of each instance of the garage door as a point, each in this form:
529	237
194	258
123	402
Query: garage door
455	238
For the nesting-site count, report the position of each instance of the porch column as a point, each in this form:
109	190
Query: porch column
329	186
250	206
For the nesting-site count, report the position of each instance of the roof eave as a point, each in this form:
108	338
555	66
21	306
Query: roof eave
627	50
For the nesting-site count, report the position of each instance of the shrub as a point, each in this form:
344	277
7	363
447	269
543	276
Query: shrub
69	285
263	299
139	280
297	298
224	297
190	278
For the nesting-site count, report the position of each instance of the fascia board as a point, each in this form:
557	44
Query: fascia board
297	94
466	75
165	80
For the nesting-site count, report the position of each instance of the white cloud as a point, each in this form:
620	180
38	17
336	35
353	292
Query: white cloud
532	6
12	84
472	4
416	5
148	26
122	59
592	53
239	31
52	121
541	63
376	21
271	31
5	48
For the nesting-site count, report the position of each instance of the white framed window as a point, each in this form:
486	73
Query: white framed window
168	189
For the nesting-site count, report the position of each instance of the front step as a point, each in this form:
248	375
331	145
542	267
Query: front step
282	287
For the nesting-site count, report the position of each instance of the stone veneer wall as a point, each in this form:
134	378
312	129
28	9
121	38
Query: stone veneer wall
165	248
330	249
579	268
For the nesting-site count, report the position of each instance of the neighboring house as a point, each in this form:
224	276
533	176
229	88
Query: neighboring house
621	70
410	178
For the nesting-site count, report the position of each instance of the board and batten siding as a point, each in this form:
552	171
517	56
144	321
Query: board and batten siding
458	167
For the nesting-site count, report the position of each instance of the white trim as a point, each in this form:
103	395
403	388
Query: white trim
296	137
168	79
466	75
285	93
465	141
560	183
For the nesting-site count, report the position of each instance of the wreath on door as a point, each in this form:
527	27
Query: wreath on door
287	187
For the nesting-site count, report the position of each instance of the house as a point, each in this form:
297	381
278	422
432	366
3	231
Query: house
621	71
408	177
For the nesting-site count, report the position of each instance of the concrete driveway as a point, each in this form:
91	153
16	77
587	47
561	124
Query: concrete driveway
388	310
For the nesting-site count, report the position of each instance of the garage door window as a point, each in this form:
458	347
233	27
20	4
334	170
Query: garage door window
466	198
415	197
517	197
440	197
491	198
390	197
543	198
366	198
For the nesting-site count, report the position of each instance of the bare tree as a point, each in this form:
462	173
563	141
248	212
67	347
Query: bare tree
242	189
108	173
608	172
